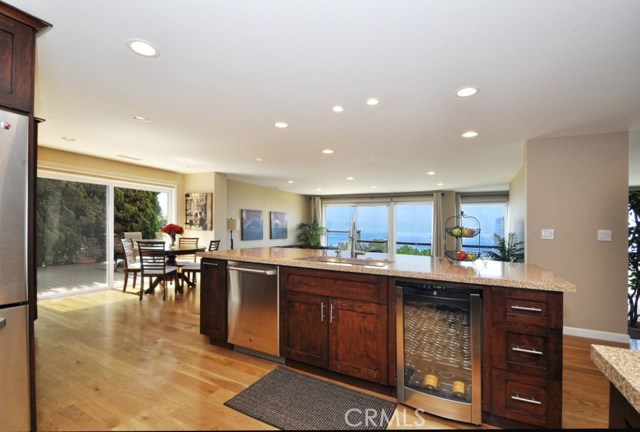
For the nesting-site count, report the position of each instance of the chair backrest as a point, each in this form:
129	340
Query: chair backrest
152	258
133	235
214	245
129	252
188	242
159	235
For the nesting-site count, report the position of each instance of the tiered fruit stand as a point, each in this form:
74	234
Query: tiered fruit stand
460	227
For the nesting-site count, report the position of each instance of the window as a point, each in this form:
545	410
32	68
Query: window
491	212
414	227
408	220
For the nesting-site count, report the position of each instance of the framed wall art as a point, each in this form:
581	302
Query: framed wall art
252	225
198	211
278	225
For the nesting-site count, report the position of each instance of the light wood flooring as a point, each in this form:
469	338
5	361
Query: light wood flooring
106	361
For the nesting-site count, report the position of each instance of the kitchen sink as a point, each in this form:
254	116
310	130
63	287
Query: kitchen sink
367	262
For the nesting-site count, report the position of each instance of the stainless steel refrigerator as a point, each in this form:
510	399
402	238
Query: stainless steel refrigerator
14	302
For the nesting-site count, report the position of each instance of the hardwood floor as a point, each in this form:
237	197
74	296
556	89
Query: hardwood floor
106	361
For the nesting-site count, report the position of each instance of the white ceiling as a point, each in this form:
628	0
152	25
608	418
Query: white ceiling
229	69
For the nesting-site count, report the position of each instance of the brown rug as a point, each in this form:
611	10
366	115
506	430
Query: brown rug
289	400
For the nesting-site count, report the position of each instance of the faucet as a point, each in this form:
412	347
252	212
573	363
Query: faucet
353	241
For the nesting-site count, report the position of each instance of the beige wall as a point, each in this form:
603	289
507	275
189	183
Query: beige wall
517	206
576	186
249	197
203	183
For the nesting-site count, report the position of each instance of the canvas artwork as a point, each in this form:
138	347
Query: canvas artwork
252	225
198	211
278	225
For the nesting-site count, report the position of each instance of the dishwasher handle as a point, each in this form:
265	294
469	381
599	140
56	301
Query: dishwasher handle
272	272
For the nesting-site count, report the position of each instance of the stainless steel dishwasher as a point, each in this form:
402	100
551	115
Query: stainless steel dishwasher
253	307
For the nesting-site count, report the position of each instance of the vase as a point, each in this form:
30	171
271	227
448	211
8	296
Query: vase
173	241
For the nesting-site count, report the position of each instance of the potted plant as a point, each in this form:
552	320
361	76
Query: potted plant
508	249
310	234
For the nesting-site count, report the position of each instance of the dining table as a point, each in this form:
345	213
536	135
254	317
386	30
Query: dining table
171	253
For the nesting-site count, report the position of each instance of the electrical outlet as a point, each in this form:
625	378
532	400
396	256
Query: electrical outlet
547	234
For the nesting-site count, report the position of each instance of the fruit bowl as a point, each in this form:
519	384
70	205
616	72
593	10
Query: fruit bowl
462	255
459	231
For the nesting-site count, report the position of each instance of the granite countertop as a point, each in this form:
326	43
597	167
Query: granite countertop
481	272
622	367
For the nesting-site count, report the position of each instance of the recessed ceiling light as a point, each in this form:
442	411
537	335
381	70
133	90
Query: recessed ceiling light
338	109
350	178
141	119
290	181
143	48
373	187
440	184
258	159
470	134
280	125
431	173
328	151
68	138
372	101
468	91
319	189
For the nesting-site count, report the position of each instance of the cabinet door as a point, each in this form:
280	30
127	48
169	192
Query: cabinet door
213	299
358	339
17	48
305	329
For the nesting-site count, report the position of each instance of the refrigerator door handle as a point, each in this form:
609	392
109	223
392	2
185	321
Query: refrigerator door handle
3	322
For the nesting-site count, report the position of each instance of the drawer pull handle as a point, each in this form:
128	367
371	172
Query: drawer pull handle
526	350
526	308
526	400
322	312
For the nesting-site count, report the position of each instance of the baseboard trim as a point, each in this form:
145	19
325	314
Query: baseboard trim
595	334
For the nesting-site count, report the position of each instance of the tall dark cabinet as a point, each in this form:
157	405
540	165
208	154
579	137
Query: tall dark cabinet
18	32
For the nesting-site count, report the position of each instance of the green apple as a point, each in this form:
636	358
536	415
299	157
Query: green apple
457	232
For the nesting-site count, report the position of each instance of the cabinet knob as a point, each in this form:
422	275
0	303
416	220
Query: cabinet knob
5	125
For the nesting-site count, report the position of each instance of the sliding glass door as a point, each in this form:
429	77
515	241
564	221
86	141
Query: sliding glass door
79	222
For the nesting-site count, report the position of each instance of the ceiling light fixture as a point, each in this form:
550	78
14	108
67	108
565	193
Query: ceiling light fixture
431	173
350	178
143	48
373	187
470	134
372	101
319	189
258	159
440	184
141	119
467	91
328	151
280	125
290	181
338	109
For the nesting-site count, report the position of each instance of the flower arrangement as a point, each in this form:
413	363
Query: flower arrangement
172	230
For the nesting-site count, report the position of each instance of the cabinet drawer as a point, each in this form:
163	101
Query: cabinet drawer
539	308
527	349
527	399
350	286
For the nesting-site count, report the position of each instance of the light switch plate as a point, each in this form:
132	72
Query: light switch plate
547	234
604	235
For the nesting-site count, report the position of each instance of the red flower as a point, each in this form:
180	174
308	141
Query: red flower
172	229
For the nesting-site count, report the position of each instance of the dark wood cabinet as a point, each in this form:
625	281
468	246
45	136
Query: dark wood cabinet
213	300
523	363
622	415
17	58
335	320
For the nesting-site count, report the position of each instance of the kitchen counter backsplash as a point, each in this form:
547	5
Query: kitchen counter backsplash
482	272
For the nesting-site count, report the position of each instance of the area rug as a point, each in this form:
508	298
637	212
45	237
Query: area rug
289	400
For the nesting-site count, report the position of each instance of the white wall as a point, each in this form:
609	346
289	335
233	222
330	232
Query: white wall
203	183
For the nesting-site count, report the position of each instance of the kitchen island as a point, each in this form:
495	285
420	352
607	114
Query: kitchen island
622	367
339	315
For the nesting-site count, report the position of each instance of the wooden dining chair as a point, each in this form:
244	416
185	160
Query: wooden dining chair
153	265
131	263
192	269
